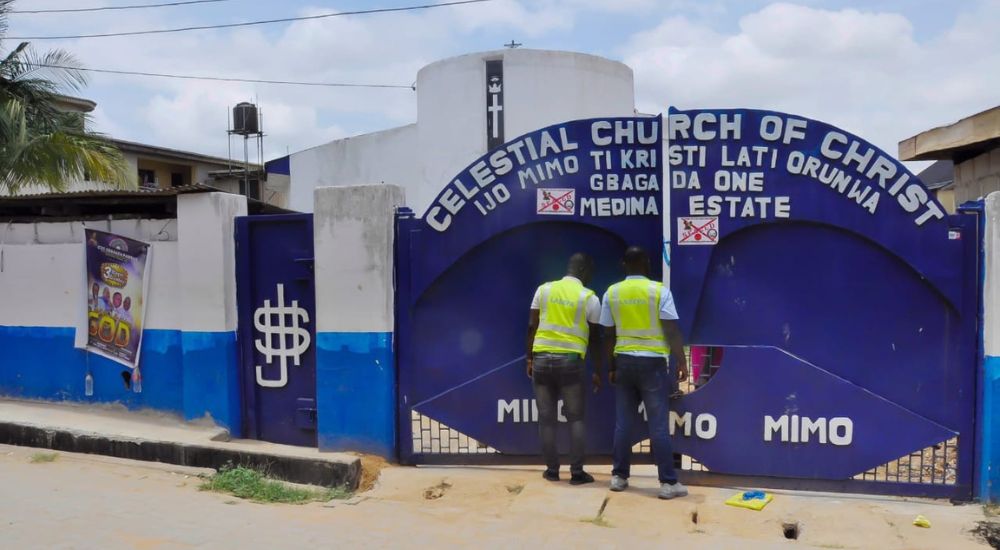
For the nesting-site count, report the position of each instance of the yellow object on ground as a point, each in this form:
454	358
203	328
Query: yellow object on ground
758	503
921	521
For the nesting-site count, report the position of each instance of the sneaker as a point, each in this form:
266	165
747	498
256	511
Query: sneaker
581	478
551	475
619	484
668	491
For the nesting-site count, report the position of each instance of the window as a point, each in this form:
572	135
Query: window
250	188
147	179
176	179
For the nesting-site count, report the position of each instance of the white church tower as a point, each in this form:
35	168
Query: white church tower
466	105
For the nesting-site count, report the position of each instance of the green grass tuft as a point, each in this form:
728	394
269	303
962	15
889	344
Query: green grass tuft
39	458
253	485
598	521
515	489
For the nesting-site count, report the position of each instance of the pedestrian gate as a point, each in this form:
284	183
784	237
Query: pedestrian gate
276	303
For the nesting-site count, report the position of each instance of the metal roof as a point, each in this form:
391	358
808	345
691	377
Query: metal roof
113	203
166	152
110	192
939	175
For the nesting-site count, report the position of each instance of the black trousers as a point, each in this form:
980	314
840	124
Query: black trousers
560	376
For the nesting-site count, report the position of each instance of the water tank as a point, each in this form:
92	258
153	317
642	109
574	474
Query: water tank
245	119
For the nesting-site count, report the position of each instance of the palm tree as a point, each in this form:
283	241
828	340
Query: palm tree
39	143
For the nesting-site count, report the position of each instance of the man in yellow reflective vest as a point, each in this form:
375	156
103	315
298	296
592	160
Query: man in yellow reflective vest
640	331
559	327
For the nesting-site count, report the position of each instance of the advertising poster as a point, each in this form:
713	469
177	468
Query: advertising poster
116	291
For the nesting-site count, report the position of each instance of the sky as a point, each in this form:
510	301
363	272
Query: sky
882	69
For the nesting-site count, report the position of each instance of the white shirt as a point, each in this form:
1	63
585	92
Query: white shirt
668	311
593	304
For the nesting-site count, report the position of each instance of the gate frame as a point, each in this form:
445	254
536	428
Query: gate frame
244	309
968	448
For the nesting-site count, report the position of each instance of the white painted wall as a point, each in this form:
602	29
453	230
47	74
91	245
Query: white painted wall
192	275
206	256
541	88
353	228
389	156
991	286
276	189
43	285
72	232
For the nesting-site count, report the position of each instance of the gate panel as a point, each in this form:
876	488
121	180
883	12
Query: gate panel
842	296
276	303
844	276
466	275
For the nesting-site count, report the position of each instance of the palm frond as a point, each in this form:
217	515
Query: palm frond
5	6
39	143
57	158
51	68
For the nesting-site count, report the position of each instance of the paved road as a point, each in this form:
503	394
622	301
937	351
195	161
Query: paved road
81	501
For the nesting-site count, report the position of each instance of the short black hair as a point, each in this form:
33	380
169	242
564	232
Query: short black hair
579	263
635	256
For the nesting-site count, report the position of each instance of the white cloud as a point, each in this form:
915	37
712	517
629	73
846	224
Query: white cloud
195	115
863	71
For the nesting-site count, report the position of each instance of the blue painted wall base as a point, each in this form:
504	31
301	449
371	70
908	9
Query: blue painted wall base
356	392
41	363
989	459
212	379
186	373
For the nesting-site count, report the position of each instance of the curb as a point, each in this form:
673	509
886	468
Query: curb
288	468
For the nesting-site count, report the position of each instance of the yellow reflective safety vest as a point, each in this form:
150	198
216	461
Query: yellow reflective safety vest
635	304
562	317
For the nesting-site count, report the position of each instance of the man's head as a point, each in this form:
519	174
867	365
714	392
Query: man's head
128	303
636	261
94	289
581	266
106	294
117	300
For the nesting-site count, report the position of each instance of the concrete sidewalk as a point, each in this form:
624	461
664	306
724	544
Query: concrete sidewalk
109	503
146	435
493	506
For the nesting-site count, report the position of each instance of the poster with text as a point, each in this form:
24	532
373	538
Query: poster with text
116	291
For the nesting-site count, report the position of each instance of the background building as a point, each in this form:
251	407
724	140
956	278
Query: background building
466	105
161	168
972	144
940	178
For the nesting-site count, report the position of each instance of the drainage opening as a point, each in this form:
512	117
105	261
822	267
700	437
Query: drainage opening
790	530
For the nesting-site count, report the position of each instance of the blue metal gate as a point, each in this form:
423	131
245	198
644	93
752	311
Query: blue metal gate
466	273
851	294
276	302
846	324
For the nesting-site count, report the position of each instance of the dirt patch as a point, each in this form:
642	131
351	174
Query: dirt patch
436	491
371	468
515	489
989	532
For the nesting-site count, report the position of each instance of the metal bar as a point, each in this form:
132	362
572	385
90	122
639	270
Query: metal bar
956	492
498	459
922	474
934	464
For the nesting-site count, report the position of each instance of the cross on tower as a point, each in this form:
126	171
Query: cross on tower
513	44
494	108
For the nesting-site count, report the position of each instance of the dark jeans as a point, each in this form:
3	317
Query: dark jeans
650	380
558	375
